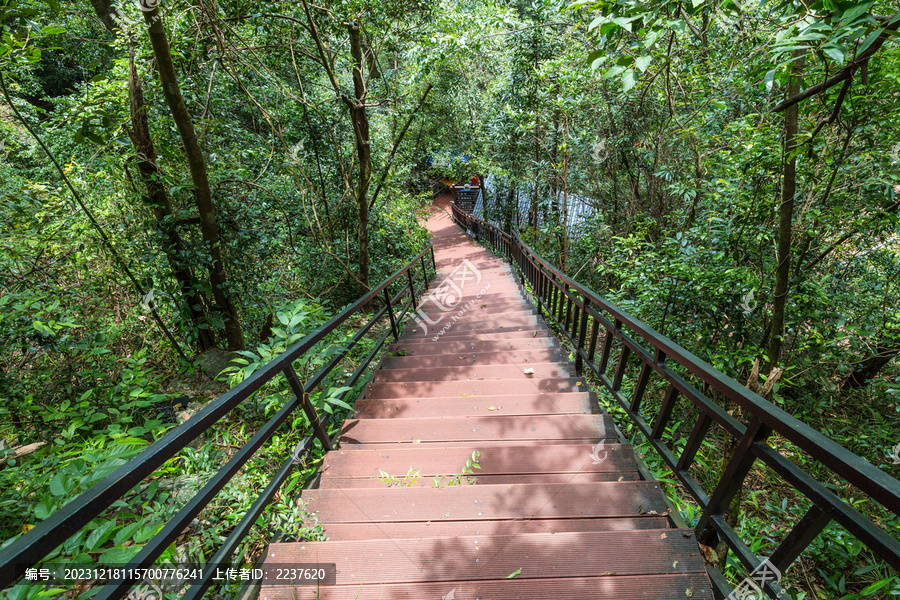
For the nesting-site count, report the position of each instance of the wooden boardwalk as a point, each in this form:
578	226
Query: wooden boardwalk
550	514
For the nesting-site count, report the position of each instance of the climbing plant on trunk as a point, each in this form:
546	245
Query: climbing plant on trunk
197	163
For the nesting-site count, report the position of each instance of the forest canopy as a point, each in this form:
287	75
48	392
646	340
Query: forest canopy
217	178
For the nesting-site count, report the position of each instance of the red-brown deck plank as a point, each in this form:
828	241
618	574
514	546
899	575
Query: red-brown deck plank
494	557
526	404
487	502
653	587
497	357
508	459
584	428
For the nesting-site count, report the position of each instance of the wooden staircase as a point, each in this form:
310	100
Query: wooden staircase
557	509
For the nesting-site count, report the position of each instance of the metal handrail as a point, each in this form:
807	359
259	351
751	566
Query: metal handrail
28	550
573	308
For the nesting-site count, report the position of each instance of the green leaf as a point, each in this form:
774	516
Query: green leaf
514	573
119	556
57	485
834	52
99	536
629	80
42	329
613	71
854	12
870	39
643	62
340	403
871	589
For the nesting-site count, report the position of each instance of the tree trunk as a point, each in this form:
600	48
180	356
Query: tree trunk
156	196
871	366
197	163
360	122
161	205
785	215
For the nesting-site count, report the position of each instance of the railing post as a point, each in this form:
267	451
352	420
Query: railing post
537	294
412	287
387	299
582	331
433	262
732	479
308	408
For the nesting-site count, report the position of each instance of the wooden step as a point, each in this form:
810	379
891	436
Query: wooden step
549	355
402	480
495	557
407	347
476	311
608	587
523	404
487	502
339	532
511	459
471	331
583	428
513	371
496	387
491	325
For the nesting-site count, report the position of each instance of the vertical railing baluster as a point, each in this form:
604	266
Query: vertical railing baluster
642	380
605	353
387	299
308	408
801	536
412	288
576	320
732	479
595	328
540	285
695	440
665	412
554	294
582	330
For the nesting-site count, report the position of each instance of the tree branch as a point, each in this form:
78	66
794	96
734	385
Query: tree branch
397	143
844	73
